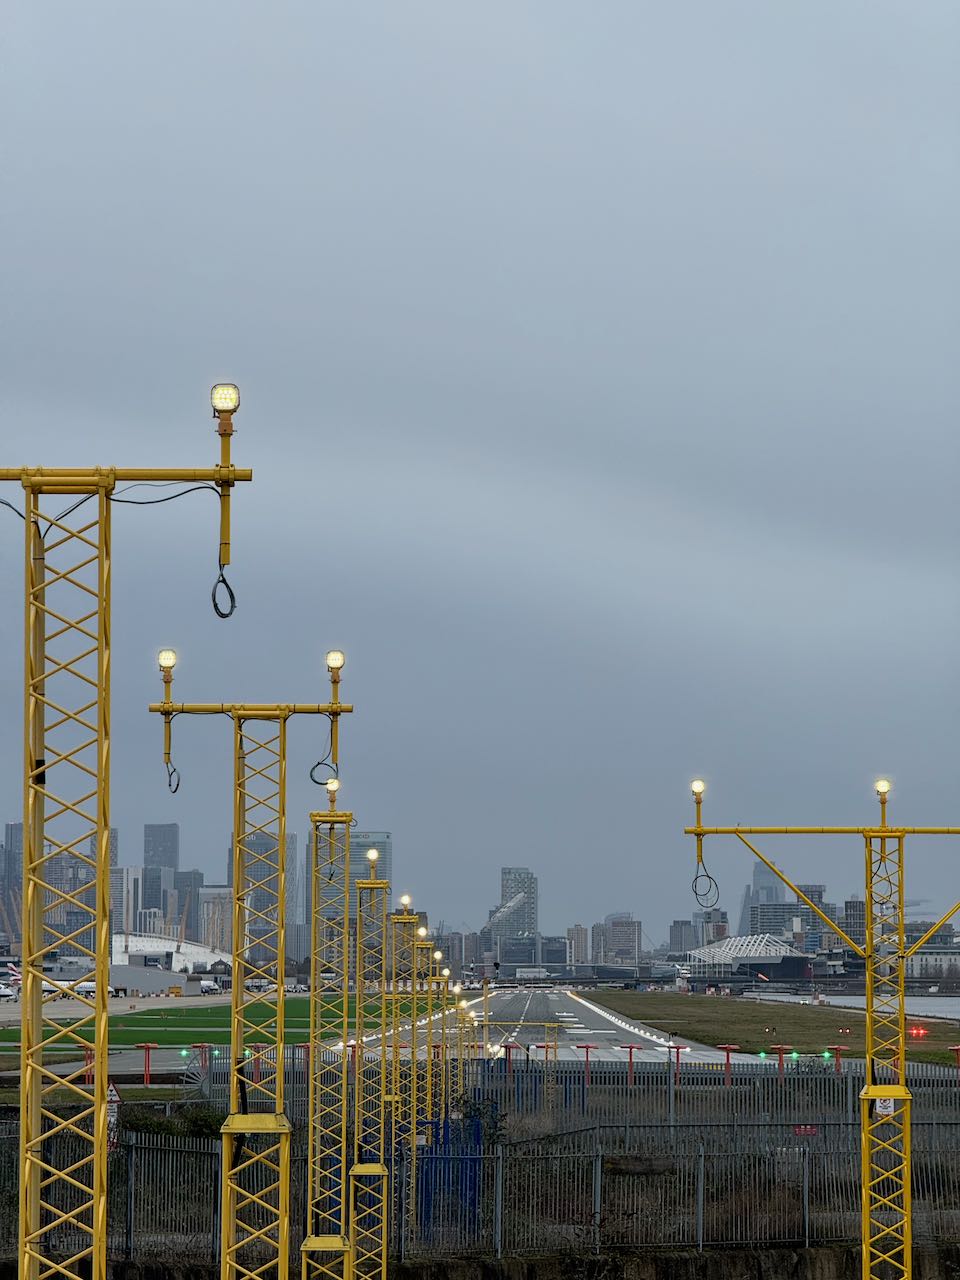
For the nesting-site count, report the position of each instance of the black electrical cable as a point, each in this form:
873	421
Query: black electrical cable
16	510
231	597
705	888
324	762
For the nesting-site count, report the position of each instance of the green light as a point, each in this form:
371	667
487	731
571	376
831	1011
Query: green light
826	1055
794	1054
216	1053
183	1053
762	1054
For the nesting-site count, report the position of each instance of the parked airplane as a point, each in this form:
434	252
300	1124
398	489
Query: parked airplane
49	987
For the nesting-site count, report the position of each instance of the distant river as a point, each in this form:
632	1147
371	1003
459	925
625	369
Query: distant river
917	1006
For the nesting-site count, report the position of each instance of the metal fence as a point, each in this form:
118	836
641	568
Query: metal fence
519	1199
533	1097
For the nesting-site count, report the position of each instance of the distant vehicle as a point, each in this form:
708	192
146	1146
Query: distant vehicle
300	988
7	993
210	988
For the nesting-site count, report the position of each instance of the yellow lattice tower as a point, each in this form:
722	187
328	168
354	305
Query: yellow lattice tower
422	1036
886	1209
368	1175
402	928
66	843
325	1253
255	1168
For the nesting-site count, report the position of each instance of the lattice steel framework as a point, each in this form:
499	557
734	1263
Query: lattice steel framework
422	1035
368	1176
255	1167
886	1209
66	849
326	1252
402	929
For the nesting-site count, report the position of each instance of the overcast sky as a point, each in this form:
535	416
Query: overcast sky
599	376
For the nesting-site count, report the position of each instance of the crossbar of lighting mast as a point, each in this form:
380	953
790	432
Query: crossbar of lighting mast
255	1160
886	1197
66	844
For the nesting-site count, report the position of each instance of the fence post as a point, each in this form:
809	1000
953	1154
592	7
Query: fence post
806	1197
215	1229
401	1204
700	1181
597	1197
131	1163
498	1201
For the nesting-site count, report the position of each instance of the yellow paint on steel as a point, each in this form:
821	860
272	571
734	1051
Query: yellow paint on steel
368	1176
66	853
326	1252
256	1134
255	1175
886	1203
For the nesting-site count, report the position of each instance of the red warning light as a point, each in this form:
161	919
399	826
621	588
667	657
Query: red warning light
918	1032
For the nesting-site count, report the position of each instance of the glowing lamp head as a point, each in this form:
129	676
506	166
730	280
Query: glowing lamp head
698	786
438	955
463	1004
457	988
444	973
422	931
225	398
405	900
883	786
167	659
335	660
332	785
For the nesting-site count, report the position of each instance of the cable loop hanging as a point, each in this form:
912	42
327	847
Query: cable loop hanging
221	582
173	778
324	764
705	888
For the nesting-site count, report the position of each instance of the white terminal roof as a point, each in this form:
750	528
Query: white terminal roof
761	946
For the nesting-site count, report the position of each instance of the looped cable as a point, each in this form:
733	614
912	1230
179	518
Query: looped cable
705	888
324	764
231	598
173	778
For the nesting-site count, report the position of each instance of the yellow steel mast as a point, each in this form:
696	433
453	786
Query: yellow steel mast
255	1180
368	1176
66	814
325	1252
886	1210
403	935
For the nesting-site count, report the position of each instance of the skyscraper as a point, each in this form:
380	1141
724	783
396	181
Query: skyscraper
578	940
114	847
517	913
161	845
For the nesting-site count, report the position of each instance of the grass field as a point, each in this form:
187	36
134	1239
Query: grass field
755	1026
183	1025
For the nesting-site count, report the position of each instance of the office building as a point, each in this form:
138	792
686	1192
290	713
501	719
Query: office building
161	845
578	943
516	914
711	925
855	920
157	890
126	898
114	846
683	937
